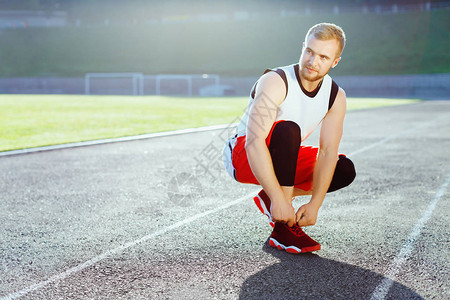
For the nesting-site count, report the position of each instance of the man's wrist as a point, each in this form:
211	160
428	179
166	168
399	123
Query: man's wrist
276	197
316	203
280	200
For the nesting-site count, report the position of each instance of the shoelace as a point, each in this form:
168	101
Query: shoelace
297	230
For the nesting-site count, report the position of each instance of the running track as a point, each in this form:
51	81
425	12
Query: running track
126	220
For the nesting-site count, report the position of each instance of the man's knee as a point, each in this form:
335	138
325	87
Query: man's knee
286	133
283	147
344	174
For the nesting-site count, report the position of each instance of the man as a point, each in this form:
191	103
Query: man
286	105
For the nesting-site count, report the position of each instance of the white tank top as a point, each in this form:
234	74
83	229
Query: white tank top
307	109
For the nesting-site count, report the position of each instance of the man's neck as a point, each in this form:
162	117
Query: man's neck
308	85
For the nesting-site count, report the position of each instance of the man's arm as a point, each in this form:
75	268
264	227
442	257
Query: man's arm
270	93
330	137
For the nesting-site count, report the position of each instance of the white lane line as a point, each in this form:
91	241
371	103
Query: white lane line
116	140
391	137
119	249
383	288
394	136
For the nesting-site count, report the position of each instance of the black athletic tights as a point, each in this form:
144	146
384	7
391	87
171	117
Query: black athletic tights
284	146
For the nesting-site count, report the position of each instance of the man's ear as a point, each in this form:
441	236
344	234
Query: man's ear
336	61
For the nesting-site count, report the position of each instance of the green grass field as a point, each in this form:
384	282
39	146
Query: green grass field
39	120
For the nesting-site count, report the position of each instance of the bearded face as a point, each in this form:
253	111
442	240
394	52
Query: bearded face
318	57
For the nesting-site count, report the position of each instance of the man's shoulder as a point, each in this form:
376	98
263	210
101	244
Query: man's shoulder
273	79
340	103
341	93
272	86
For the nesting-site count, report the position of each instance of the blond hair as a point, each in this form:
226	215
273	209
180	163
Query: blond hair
328	31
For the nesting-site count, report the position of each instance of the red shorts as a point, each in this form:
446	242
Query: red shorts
307	157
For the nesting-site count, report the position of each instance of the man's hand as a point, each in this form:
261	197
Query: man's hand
283	211
307	215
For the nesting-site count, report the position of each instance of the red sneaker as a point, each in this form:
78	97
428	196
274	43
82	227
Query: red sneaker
263	202
292	239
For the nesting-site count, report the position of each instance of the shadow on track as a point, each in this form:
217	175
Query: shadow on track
309	276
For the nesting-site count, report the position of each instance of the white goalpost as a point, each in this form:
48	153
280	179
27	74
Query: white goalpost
186	77
137	81
162	84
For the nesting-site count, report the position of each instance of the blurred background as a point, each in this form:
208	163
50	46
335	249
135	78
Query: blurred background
217	48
